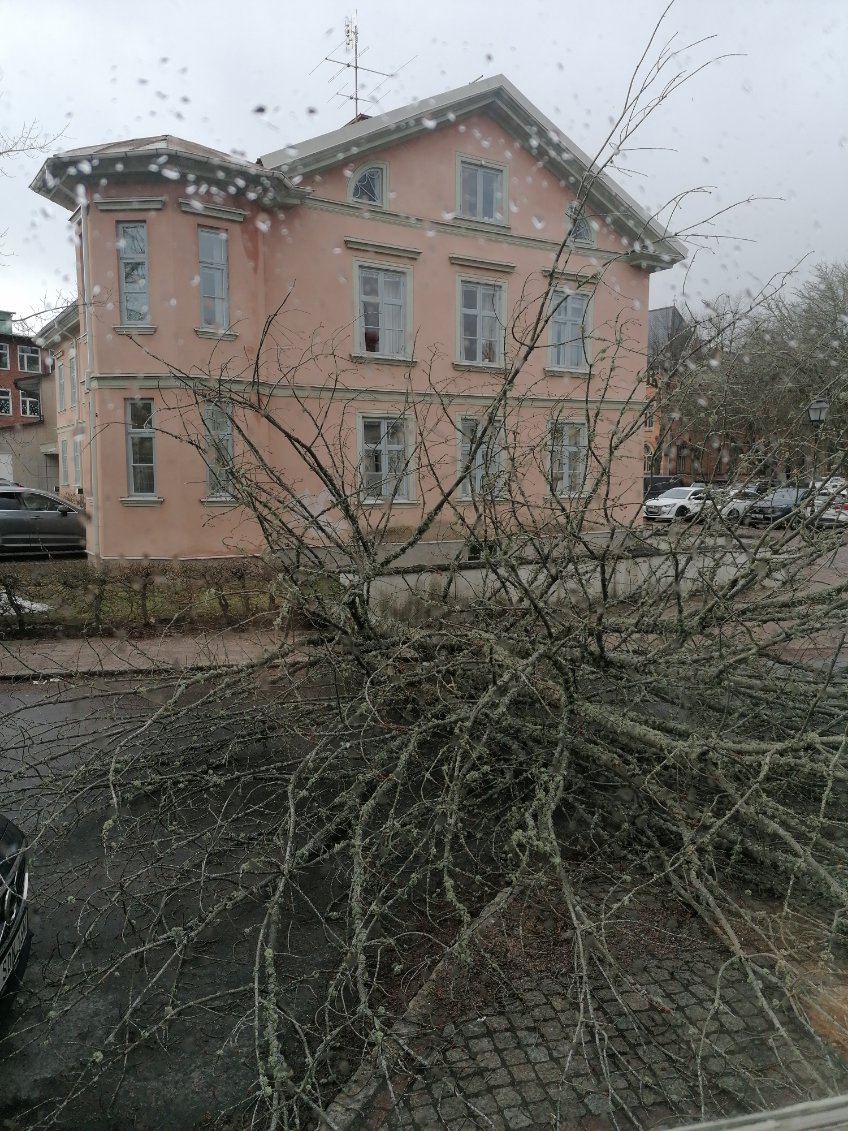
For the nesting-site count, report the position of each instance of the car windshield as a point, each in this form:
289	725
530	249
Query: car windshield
677	493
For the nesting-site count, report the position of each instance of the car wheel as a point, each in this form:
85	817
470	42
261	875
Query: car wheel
734	515
681	512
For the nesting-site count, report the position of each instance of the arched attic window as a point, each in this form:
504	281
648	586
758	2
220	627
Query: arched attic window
368	185
578	226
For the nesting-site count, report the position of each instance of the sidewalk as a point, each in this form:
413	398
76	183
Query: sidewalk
104	655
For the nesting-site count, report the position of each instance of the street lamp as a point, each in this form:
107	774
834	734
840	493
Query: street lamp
817	411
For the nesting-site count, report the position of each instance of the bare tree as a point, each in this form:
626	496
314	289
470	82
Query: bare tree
584	714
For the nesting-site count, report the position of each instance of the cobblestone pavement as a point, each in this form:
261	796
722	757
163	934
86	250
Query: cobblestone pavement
686	1040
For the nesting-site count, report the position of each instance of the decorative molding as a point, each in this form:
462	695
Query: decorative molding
220	501
571	276
376	359
216	335
131	330
372	246
551	371
481	264
472	367
198	207
323	204
370	393
130	204
141	501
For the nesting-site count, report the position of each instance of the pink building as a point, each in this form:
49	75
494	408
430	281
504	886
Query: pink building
339	315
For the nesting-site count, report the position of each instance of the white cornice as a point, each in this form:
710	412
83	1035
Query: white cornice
129	204
372	246
199	207
474	263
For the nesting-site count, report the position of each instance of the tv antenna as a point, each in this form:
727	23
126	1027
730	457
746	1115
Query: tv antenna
350	44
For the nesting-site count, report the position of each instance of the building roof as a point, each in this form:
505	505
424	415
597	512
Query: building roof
497	97
172	158
667	330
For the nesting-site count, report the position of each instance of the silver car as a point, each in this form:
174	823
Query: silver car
36	522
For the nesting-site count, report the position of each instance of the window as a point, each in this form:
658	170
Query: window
77	449
29	359
385	474
33	501
132	276
481	191
578	227
568	326
141	478
369	186
486	470
72	376
63	462
481	334
648	464
649	417
218	424
4	355
213	278
30	403
381	316
5	402
568	457
60	385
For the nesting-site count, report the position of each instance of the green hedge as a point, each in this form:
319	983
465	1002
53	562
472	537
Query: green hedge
137	597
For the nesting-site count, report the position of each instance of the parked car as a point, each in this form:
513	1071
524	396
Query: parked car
34	521
737	502
827	509
14	893
679	502
778	507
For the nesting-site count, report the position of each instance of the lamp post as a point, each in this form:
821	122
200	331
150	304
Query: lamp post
817	411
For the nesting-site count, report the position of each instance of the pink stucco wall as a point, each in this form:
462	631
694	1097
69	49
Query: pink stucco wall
299	258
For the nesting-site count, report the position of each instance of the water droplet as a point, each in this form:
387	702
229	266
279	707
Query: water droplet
448	215
337	251
538	223
429	123
171	174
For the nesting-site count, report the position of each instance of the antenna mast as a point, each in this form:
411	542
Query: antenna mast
351	44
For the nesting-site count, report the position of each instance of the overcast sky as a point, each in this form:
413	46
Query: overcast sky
766	122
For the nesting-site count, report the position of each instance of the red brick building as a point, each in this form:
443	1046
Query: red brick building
28	453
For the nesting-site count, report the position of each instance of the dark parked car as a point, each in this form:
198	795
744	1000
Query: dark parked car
778	507
14	890
34	521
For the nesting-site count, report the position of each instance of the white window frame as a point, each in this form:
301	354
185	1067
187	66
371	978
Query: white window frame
72	376
581	346
561	458
359	172
219	268
76	446
63	463
218	451
500	289
403	493
489	466
405	273
27	354
134	432
5	399
132	259
60	383
501	209
576	216
5	356
30	401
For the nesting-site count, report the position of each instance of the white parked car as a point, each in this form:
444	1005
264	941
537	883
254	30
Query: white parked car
828	509
736	503
679	502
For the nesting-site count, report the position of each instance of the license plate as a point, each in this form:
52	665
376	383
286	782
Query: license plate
11	957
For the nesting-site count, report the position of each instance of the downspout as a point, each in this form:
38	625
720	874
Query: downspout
93	501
